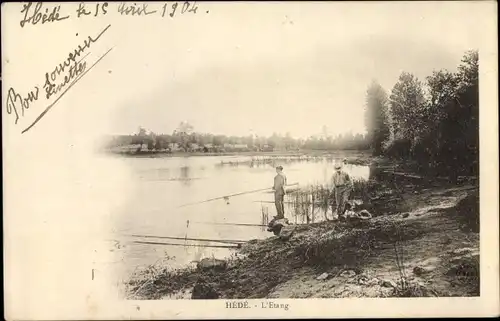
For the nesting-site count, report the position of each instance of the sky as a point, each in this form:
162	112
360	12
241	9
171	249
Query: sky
241	67
291	67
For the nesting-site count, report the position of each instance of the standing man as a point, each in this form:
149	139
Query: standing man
342	187
279	192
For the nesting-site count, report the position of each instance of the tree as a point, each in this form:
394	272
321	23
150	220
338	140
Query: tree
218	140
442	108
440	129
205	139
274	141
183	133
468	100
376	118
248	140
185	136
151	145
408	109
453	124
289	141
160	143
141	137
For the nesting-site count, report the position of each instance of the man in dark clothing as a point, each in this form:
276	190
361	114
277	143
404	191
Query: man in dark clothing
279	192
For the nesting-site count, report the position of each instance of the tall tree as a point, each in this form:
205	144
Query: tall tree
468	97
376	117
442	108
141	137
407	108
183	132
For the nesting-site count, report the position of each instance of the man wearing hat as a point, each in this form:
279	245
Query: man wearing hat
279	192
342	187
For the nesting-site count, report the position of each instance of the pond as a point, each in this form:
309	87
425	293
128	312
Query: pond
161	186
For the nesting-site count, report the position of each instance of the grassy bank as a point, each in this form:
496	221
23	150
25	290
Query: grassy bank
422	241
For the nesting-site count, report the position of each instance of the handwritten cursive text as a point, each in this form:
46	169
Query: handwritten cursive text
75	69
187	7
36	16
40	13
57	82
134	9
100	9
15	100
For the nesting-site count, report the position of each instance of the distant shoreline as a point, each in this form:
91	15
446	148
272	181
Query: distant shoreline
161	154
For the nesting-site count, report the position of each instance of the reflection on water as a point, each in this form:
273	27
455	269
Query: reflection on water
162	185
185	175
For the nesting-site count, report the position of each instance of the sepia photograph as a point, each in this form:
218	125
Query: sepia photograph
248	153
347	168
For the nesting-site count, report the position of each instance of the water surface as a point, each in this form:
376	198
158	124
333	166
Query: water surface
162	185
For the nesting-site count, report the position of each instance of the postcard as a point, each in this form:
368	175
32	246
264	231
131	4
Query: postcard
212	160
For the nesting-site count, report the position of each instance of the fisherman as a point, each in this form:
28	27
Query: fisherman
342	187
279	192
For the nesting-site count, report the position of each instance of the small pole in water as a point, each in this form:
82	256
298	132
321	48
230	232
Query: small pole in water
185	237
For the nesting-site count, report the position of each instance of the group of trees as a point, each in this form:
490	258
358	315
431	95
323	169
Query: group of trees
339	142
185	137
435	122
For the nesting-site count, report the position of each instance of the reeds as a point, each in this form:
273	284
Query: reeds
308	201
258	161
301	205
264	216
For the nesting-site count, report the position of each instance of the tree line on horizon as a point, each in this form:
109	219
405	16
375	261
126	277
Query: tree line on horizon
186	138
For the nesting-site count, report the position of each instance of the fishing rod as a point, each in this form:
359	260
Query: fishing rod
232	224
187	239
272	202
237	194
288	192
194	245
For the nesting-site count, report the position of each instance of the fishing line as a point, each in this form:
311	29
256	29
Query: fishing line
187	239
193	245
226	197
231	224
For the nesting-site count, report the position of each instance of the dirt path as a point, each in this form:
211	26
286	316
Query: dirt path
438	258
429	248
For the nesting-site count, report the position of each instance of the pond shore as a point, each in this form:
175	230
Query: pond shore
424	242
155	154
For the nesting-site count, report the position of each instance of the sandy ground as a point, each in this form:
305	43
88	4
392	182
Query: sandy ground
432	261
422	241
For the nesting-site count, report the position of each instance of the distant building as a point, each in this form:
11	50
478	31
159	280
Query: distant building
236	147
240	146
208	148
267	148
174	146
125	148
